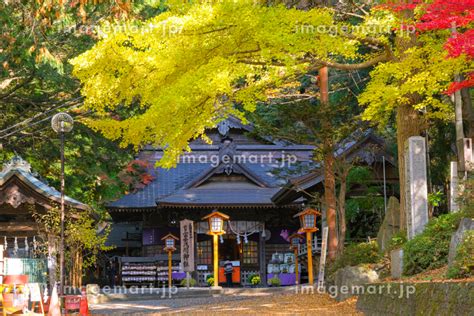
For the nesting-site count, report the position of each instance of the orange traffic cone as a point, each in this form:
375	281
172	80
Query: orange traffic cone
84	307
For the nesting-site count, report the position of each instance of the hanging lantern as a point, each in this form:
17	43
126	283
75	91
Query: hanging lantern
216	222
308	220
26	245
5	242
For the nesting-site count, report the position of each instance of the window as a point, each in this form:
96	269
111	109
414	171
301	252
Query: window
250	253
204	252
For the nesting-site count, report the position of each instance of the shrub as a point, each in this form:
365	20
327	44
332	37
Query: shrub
463	266
429	250
398	240
275	281
192	282
210	280
466	197
355	254
254	279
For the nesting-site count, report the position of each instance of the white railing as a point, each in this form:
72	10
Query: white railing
316	247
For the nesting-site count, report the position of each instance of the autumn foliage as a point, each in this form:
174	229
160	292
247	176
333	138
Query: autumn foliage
445	15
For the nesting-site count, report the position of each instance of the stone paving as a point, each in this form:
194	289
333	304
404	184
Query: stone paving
261	304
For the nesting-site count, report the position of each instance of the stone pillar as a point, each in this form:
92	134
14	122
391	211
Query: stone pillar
416	186
453	187
396	263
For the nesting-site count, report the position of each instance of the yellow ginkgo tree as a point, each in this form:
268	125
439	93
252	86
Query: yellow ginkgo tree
166	80
186	68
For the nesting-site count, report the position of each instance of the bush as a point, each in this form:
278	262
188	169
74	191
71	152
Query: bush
429	250
398	240
466	197
192	282
275	281
254	279
355	254
210	280
463	266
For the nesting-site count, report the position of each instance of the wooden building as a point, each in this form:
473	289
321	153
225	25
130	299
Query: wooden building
238	175
26	244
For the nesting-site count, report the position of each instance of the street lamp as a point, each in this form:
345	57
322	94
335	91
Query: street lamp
295	241
62	123
308	225
216	227
170	246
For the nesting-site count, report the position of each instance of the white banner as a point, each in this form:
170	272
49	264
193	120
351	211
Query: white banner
187	244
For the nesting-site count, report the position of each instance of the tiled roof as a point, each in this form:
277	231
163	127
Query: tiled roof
182	184
166	182
21	169
222	196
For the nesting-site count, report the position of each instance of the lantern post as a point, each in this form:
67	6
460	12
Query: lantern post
295	241
170	246
216	228
62	123
308	225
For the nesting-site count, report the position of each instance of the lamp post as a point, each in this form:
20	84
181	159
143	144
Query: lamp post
170	246
295	241
308	225
62	123
216	228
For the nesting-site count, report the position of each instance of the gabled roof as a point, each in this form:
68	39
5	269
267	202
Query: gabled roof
355	146
17	168
166	182
183	185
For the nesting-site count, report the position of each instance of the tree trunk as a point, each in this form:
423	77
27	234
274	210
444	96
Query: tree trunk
409	120
341	214
329	172
409	123
330	201
343	169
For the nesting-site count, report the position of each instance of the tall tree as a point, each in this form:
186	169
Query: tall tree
296	113
36	39
186	68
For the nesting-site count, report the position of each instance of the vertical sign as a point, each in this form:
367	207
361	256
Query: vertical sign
416	185
322	261
2	265
187	245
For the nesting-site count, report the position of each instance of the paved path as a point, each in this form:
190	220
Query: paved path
262	304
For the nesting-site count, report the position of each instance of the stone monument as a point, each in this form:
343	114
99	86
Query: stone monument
416	185
390	225
453	187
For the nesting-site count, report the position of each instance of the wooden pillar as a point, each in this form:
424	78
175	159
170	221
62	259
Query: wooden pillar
309	245
261	252
216	260
296	265
170	278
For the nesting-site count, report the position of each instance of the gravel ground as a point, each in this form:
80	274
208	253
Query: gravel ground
267	304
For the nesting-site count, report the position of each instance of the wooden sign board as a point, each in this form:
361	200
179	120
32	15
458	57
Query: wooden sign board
322	262
187	245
